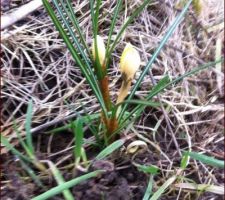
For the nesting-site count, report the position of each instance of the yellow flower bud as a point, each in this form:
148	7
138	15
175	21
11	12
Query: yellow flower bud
129	62
100	48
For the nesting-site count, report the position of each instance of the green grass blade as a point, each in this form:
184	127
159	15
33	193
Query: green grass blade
206	159
75	55
109	149
94	17
60	180
151	169
58	189
28	127
68	26
129	20
10	147
76	25
24	145
171	29
163	188
113	22
79	135
149	188
184	161
32	174
71	33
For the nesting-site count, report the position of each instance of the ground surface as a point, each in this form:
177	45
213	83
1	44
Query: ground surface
37	65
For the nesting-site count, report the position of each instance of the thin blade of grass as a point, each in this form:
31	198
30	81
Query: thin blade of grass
32	174
28	127
94	17
58	189
60	180
24	145
149	188
73	52
76	25
206	159
66	22
10	147
79	135
86	120
129	20
163	188
113	22
109	149
171	29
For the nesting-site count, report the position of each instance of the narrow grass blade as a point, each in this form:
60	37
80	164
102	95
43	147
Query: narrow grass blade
60	180
184	161
76	25
79	135
28	127
113	22
58	189
66	20
149	188
32	174
163	188
86	120
109	149
24	145
73	52
10	147
156	53
141	102
94	17
129	20
206	159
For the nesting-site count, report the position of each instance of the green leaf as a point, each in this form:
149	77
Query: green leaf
206	159
184	161
109	149
151	169
28	127
58	189
156	53
79	135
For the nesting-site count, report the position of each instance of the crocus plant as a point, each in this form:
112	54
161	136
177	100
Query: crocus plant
129	64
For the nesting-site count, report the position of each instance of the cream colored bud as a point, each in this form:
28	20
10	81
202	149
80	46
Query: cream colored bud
100	48
129	62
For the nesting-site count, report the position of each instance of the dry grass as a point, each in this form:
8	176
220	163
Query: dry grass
37	65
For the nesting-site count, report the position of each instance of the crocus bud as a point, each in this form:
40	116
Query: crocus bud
100	48
129	62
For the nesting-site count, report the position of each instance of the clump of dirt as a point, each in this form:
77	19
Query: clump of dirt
114	184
